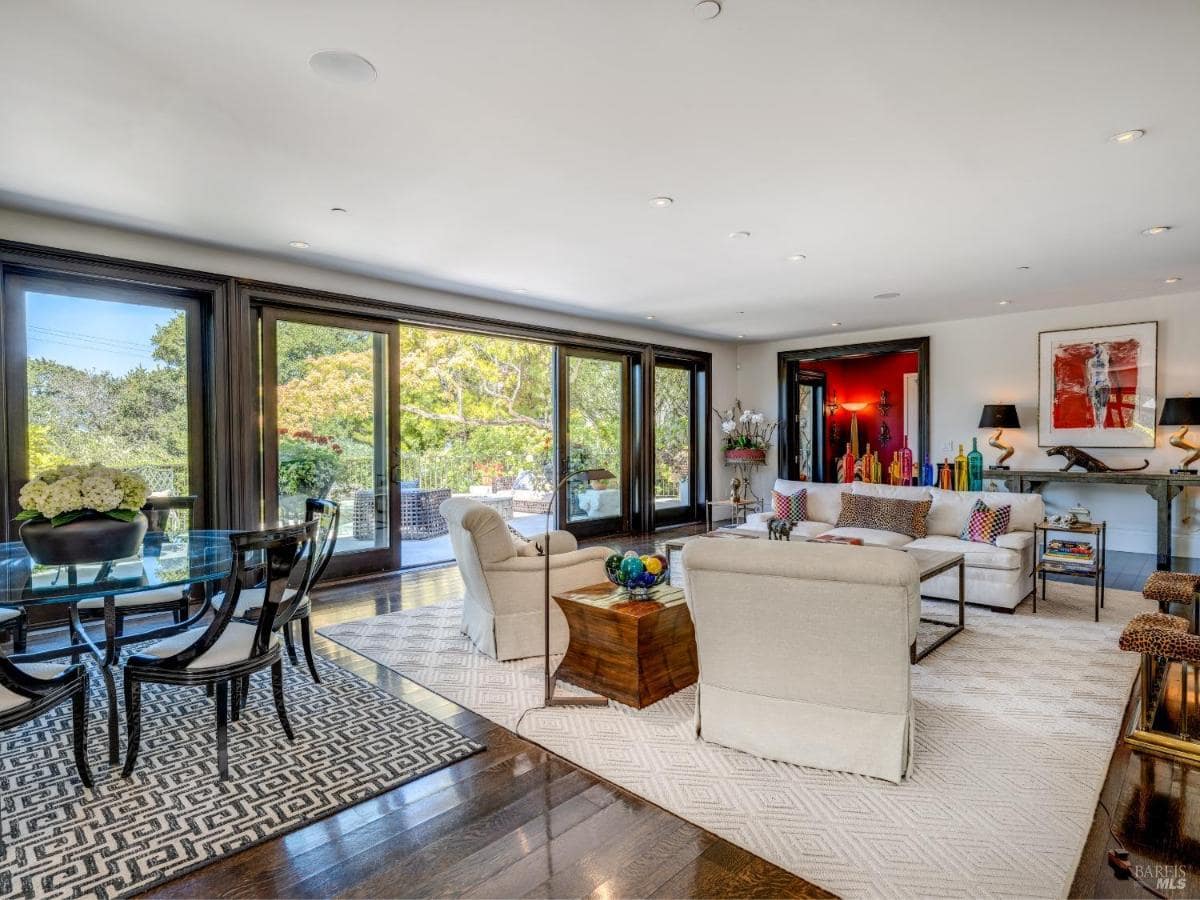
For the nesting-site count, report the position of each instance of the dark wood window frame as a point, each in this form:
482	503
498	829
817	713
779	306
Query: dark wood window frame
791	364
701	424
122	280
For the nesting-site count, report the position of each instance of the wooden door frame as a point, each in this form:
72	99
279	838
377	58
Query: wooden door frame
363	562
791	361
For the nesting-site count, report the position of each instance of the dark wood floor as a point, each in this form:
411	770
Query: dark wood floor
520	821
514	821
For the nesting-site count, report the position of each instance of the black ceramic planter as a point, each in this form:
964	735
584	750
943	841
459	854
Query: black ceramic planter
88	540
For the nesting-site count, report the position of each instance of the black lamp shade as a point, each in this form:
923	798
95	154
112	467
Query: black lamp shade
1181	411
1000	415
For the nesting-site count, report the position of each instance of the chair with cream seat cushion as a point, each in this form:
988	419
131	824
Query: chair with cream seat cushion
227	651
804	651
503	607
29	689
14	619
327	514
174	600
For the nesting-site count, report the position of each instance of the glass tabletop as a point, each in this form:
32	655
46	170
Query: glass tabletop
166	560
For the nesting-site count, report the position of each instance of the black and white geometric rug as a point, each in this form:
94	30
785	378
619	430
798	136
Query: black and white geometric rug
173	815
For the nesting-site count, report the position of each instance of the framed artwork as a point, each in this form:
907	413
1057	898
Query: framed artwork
1098	387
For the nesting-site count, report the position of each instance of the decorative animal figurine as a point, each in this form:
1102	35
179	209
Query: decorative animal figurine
735	490
779	530
1076	457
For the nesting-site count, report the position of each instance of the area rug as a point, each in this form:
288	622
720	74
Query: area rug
1016	721
173	815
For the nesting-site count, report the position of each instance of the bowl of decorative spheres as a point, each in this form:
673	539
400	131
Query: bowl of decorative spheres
636	574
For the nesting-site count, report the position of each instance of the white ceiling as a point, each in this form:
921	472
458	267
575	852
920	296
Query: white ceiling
928	148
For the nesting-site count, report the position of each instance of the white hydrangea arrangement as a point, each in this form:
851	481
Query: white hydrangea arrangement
67	493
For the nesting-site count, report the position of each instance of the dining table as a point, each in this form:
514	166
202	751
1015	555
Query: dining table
192	560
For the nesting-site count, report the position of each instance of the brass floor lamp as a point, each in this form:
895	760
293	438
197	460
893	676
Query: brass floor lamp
551	700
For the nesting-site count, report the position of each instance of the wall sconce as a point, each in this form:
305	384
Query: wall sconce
832	405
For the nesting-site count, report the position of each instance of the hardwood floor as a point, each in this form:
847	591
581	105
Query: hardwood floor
514	821
520	821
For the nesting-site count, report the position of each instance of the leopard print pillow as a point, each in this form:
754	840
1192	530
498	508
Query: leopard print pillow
885	514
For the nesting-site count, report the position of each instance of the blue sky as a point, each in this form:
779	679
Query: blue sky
92	334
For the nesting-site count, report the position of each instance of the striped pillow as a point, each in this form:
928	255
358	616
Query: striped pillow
985	524
792	508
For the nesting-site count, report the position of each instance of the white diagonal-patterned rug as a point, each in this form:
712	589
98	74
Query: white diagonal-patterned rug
1016	720
353	741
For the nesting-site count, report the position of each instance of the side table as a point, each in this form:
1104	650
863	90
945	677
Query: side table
740	509
1093	570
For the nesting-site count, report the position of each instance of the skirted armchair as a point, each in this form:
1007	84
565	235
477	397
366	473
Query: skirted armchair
803	651
503	606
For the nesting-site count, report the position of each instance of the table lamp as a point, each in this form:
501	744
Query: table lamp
1182	411
551	700
999	416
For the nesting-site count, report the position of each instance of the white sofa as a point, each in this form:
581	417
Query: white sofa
803	651
999	576
503	610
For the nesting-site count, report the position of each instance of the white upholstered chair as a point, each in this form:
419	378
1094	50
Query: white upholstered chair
503	607
803	651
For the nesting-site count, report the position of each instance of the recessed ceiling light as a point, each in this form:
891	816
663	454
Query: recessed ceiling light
649	317
889	295
739	234
836	324
337	209
1022	268
707	9
1174	279
299	245
740	336
661	202
797	257
1156	229
1127	137
1003	302
342	67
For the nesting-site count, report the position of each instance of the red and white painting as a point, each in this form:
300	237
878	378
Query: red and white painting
1097	386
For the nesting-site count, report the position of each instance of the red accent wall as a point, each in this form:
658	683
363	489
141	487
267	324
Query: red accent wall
861	380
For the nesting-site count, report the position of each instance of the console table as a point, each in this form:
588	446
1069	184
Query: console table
1163	487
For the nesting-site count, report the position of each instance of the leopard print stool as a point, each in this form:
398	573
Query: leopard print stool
1163	640
1171	587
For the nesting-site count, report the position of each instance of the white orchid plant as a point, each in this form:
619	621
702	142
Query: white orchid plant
745	429
68	493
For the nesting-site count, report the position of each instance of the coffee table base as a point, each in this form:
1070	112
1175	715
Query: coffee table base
951	629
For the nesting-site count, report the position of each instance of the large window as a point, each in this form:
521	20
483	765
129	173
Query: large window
106	376
476	414
676	422
326	399
596	391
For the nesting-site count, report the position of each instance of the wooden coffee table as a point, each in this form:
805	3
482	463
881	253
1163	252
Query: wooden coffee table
633	651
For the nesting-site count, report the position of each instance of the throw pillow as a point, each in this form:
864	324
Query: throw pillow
884	514
792	508
985	524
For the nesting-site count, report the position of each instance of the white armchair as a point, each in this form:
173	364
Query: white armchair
503	606
803	651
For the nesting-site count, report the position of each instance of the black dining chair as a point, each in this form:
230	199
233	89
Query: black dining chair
227	650
14	620
29	689
174	600
327	514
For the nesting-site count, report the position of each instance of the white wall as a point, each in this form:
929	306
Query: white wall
71	235
994	360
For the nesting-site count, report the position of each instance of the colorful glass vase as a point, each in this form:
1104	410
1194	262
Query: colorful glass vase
906	463
975	467
962	472
848	465
867	464
945	476
927	473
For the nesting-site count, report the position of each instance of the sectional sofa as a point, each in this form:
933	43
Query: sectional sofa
999	575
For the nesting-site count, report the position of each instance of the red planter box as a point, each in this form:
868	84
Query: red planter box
746	455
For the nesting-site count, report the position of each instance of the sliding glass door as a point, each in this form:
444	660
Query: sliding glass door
594	433
675	417
327	395
102	374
